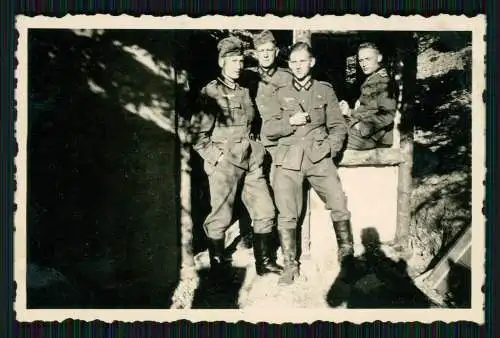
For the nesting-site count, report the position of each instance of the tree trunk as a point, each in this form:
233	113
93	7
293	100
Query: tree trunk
302	36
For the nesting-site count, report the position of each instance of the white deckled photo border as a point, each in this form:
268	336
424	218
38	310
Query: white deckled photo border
476	25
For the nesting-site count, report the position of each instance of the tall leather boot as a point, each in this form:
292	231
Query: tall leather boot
219	265
343	232
288	240
265	260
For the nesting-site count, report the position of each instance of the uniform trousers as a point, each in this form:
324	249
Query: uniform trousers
269	167
322	177
357	142
225	180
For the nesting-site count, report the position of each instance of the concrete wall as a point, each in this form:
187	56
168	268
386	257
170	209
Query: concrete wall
372	200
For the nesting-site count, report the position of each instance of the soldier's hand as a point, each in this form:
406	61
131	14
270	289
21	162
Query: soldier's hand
299	119
221	157
344	108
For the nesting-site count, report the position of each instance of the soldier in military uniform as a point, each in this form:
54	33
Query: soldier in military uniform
372	120
310	131
233	160
265	80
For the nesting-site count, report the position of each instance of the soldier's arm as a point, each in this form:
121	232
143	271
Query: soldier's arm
383	116
251	111
271	111
335	122
202	125
276	124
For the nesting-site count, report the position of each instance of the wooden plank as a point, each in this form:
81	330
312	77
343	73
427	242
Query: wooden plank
371	158
458	253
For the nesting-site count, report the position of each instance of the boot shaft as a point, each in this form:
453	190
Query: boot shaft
264	245
288	242
216	252
345	242
264	252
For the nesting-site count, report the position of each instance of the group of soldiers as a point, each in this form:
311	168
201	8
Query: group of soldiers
303	128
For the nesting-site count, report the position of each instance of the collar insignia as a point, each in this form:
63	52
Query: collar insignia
304	86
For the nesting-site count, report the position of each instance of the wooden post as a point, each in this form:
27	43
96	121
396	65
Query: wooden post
302	36
188	278
400	90
408	56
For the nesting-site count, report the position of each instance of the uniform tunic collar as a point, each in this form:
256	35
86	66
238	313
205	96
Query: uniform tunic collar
303	85
268	72
227	82
380	70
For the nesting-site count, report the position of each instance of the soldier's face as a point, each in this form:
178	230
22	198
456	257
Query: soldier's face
301	63
232	66
266	54
369	60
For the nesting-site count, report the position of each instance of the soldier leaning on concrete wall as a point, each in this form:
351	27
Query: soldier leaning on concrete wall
372	119
233	159
310	131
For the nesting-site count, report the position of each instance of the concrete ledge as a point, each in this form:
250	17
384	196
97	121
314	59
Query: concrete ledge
372	158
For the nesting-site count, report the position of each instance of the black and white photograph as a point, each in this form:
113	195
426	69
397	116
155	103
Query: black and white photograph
272	169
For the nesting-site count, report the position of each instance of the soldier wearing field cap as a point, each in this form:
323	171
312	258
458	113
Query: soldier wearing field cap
268	78
372	120
310	131
232	160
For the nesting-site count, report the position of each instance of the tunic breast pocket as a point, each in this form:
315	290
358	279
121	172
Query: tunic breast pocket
234	114
318	113
238	114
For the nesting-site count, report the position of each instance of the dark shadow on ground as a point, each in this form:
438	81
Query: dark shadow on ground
221	293
375	281
458	282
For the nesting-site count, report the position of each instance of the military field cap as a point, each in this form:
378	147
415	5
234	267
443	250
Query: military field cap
263	37
230	46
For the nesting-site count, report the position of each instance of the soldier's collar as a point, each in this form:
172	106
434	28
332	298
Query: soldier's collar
268	72
302	85
380	71
227	82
